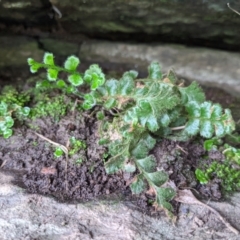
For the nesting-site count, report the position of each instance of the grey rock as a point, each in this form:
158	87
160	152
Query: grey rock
31	216
14	51
207	66
59	47
209	23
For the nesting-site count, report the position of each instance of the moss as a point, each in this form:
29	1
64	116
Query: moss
56	107
76	145
10	95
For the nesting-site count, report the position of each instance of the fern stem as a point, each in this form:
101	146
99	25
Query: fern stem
178	128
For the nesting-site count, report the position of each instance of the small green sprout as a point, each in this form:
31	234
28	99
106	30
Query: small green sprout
58	152
79	161
202	177
211	144
76	145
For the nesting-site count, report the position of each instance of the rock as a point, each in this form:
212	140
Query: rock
59	47
26	13
210	67
31	216
203	23
14	51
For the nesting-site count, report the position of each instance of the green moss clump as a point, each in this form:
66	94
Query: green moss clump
10	95
226	170
76	145
56	107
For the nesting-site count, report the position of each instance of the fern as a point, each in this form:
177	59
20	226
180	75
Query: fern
144	110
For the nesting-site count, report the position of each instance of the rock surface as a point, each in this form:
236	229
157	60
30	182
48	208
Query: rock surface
14	51
207	66
203	23
29	216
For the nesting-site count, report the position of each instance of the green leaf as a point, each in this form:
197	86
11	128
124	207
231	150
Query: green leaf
35	67
52	74
24	111
154	71
58	152
75	79
3	108
126	84
112	87
48	59
216	112
192	127
140	151
152	124
89	102
110	103
165	120
132	73
192	93
201	177
172	76
94	76
96	82
148	163
100	115
45	84
206	129
144	111
9	122
72	63
149	141
138	185
30	61
206	110
219	128
228	121
7	133
193	109
71	89
61	84
142	148
157	178
209	144
164	195
115	164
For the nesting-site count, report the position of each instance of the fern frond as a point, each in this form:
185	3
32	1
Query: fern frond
207	119
192	93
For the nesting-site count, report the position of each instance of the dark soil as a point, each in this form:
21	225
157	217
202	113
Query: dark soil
31	159
43	173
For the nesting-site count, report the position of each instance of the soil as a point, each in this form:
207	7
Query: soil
31	159
45	174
